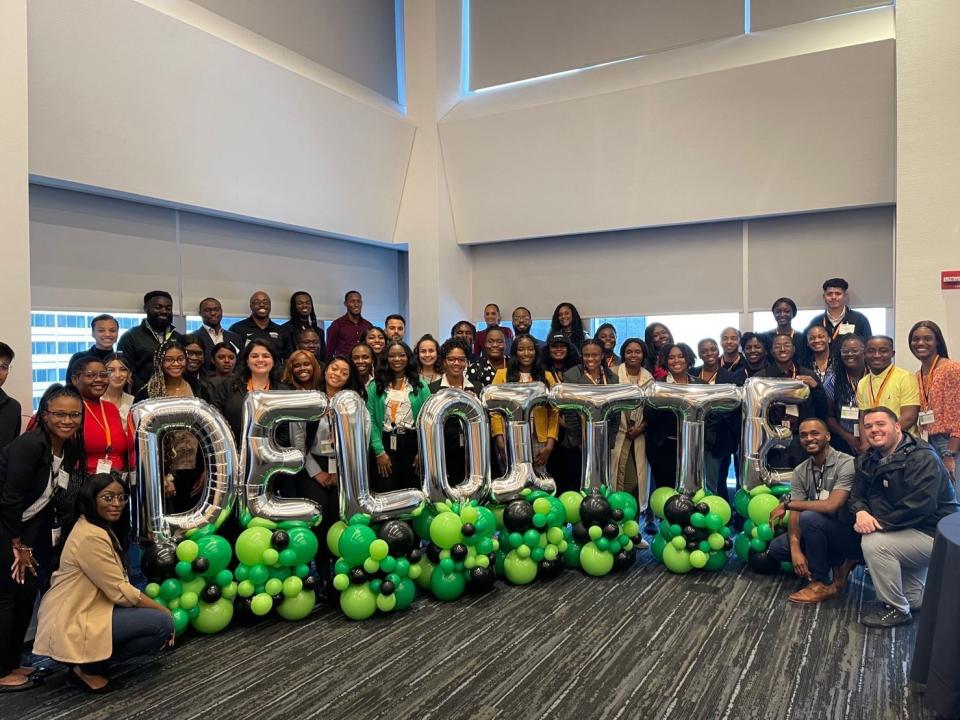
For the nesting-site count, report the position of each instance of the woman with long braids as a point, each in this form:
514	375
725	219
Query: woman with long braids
394	399
40	473
494	358
182	458
524	367
566	321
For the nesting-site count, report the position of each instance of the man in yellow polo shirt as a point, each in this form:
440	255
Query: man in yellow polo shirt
886	385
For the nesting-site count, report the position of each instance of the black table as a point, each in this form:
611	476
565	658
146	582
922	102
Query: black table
936	657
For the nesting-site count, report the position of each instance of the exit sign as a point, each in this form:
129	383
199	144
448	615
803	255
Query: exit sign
950	280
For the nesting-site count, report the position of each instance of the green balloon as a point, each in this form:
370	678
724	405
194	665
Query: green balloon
765	532
182	569
675	530
251	543
354	544
445	530
531	538
379	549
758	545
447	586
187	550
703	546
740	502
760	508
333	537
657	547
664	529
270	557
224	577
405	591
519	570
571	505
659	498
259	574
571	555
180	621
679	543
446	565
273	586
748	527
698	559
304	545
486	522
152	590
786	566
422	522
288	557
213	617
261	604
170	589
188	600
741	546
698	520
714	521
594	561
297	607
716	561
602	544
677	561
241	572
626	502
720	507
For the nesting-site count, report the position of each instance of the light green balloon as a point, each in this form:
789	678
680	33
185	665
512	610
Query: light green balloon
386	603
519	570
261	604
273	586
180	621
358	602
270	556
445	530
571	505
760	507
698	559
677	561
341	582
594	561
189	600
152	590
292	586
213	617
659	498
333	537
719	506
298	606
679	543
188	550
379	549
245	589
251	543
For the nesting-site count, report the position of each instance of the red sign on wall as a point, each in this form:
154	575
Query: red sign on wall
950	280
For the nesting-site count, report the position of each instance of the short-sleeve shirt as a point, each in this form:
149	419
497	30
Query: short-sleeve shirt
812	483
899	391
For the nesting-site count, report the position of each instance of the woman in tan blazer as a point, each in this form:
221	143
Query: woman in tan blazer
92	617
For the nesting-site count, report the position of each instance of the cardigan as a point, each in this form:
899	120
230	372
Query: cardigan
546	418
376	406
75	622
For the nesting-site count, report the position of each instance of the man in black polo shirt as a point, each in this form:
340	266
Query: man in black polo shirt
901	490
258	326
140	343
839	319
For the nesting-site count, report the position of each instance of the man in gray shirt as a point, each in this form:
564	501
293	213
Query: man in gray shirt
820	533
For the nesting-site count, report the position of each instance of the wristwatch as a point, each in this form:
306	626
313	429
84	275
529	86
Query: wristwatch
785	501
949	453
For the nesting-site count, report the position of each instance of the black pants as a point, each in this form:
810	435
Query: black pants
565	465
663	462
402	475
16	609
328	498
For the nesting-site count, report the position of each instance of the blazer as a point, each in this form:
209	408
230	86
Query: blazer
376	406
207	342
546	418
75	622
229	399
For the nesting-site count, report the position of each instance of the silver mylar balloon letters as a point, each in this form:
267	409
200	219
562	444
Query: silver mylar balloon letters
444	405
759	436
155	418
353	443
515	402
596	403
692	403
262	412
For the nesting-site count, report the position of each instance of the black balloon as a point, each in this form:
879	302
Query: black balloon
624	559
692	545
762	563
159	560
387	588
518	516
277	599
309	583
727	544
398	535
703	508
617	514
357	576
200	565
210	594
279	539
703	533
611	531
549	569
690	532
678	509
580	533
468	530
414	555
433	554
595	510
458	552
481	578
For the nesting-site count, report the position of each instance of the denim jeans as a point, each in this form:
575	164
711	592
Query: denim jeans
136	631
825	540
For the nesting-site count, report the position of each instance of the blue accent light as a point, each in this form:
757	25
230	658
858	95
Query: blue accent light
464	47
746	17
401	54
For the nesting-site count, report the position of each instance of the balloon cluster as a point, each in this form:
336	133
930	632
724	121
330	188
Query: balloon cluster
531	537
751	545
603	532
191	578
376	565
461	549
274	569
693	530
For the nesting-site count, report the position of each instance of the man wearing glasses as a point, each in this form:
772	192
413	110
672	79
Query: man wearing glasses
258	326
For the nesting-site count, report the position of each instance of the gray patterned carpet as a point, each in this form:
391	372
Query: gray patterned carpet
645	644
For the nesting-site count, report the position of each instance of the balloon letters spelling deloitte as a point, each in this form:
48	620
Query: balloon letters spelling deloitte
263	458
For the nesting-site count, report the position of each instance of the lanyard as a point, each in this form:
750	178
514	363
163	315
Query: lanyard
732	365
817	482
250	387
925	386
836	329
875	396
102	423
602	380
852	384
712	377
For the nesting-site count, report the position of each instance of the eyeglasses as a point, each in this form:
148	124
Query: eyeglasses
61	415
111	499
174	361
457	360
851	353
93	374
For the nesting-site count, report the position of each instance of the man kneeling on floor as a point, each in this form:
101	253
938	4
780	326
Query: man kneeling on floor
900	492
820	532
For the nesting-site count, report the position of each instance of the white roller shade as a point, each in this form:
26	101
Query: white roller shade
765	14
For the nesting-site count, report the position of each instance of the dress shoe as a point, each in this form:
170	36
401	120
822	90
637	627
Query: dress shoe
813	593
841	574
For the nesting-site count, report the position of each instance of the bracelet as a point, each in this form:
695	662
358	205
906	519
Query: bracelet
949	453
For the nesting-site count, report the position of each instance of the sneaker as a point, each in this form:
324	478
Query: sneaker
886	617
813	593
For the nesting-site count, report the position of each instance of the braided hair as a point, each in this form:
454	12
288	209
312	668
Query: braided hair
157	384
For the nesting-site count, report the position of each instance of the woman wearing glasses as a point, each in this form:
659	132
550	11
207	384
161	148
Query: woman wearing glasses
107	439
40	472
92	617
840	387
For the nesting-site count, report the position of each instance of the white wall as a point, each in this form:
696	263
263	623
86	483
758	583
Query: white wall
167	101
928	168
792	120
14	240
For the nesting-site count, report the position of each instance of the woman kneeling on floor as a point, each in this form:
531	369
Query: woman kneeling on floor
92	617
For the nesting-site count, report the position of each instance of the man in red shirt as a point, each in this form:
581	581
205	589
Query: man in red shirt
348	330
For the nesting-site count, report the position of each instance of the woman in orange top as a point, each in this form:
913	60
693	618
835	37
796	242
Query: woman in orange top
524	366
939	381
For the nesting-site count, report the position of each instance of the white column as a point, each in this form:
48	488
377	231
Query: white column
928	168
14	199
440	286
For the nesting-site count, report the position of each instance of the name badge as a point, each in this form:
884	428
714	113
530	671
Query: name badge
792	410
55	536
785	423
925	418
461	439
104	466
850	412
393	442
63	480
326	447
856	430
332	466
847	328
823	495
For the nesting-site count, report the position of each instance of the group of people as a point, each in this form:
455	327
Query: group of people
873	449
